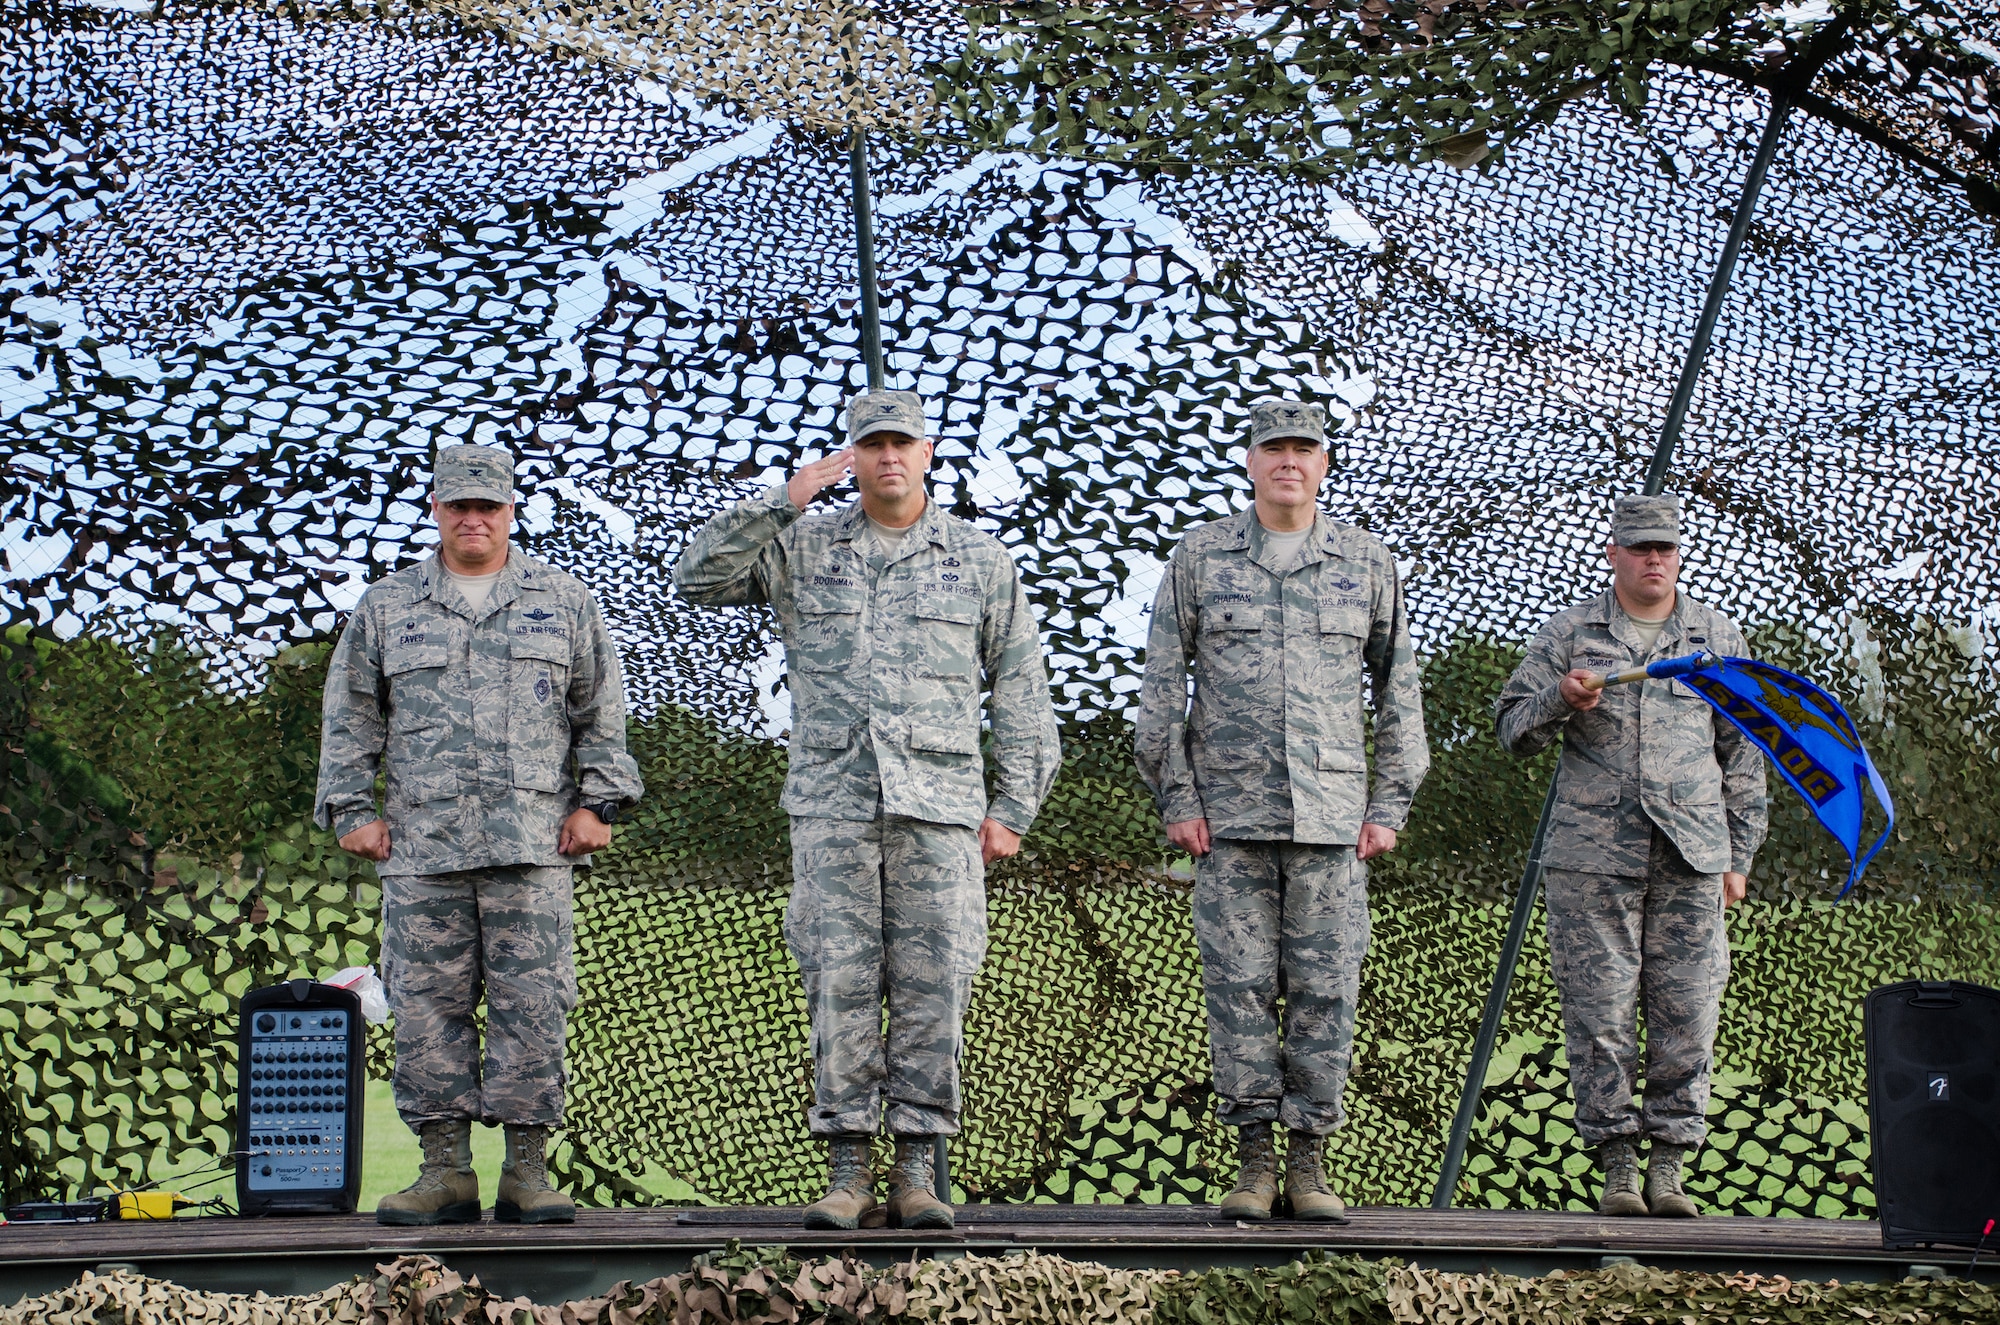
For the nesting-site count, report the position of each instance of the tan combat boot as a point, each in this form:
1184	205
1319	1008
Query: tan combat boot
1664	1197
1256	1188
850	1184
1306	1188
913	1201
1621	1179
446	1190
525	1196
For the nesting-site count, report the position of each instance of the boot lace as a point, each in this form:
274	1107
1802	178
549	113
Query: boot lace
1260	1157
913	1166
1621	1169
1663	1174
440	1144
531	1168
847	1166
1308	1166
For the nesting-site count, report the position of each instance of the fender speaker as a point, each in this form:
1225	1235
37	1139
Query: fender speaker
1934	1110
298	1100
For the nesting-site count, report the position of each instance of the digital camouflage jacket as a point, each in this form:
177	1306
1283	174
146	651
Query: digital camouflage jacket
1650	753
1285	670
485	726
886	670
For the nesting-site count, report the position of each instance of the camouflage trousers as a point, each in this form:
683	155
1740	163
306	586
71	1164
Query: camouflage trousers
445	939
891	911
1618	943
1281	920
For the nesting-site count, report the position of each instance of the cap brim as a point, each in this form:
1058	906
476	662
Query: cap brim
884	425
475	492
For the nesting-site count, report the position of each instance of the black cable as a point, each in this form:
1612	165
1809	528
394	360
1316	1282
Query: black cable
1978	1247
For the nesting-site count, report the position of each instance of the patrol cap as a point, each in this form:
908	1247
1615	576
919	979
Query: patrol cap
1636	520
1272	419
474	473
885	411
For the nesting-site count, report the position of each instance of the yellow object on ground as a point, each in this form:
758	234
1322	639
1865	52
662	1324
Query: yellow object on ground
150	1205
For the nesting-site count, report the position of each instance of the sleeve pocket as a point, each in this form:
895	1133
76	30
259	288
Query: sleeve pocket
944	740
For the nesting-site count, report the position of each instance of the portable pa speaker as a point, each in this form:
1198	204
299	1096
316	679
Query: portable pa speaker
1934	1110
298	1100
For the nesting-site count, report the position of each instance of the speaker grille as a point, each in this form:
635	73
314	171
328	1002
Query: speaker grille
1934	1110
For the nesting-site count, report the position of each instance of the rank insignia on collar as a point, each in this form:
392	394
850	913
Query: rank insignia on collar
539	614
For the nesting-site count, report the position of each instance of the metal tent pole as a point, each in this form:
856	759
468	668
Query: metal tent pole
1656	479
864	244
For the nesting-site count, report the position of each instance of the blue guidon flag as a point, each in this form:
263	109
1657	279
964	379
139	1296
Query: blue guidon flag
1803	730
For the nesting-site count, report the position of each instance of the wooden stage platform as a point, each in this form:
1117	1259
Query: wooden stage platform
558	1262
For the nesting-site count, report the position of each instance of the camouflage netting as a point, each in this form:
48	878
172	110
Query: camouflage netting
254	267
766	1286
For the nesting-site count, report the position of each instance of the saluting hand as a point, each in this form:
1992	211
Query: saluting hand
823	473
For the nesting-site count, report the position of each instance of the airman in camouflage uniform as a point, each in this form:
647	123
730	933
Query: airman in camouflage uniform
1292	628
1659	811
501	728
894	616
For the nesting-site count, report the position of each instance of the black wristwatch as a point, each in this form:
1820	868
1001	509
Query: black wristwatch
605	810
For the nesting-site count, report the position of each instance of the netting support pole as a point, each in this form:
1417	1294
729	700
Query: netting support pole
864	245
1718	290
1530	888
1496	1004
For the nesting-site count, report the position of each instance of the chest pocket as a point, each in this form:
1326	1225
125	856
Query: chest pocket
538	721
414	657
828	623
540	656
944	635
1343	618
414	650
1228	617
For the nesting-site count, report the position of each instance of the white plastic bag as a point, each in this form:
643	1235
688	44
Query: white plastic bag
363	981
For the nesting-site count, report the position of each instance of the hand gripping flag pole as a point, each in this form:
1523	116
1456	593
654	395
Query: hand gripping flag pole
1802	730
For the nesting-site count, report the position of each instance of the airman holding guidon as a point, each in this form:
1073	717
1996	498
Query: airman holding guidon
1659	810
